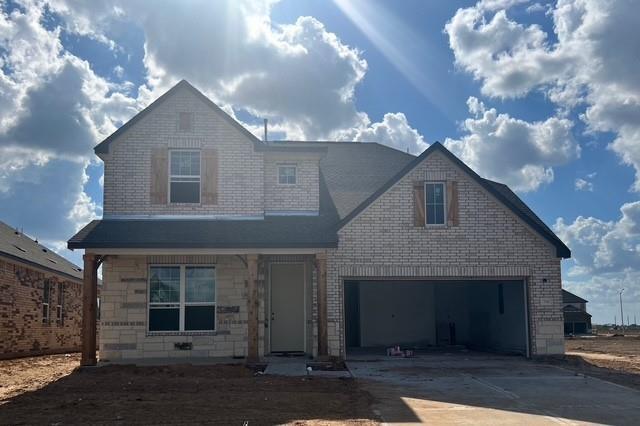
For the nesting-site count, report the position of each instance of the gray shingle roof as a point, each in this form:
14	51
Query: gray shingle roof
355	170
568	297
353	174
18	246
272	232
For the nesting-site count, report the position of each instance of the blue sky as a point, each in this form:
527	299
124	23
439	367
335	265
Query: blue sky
542	96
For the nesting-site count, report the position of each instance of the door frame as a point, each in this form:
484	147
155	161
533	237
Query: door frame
304	301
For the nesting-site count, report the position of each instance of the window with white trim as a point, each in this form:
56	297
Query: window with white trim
182	298
184	176
287	174
435	203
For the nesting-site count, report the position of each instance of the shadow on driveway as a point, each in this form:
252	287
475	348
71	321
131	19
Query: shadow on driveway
464	387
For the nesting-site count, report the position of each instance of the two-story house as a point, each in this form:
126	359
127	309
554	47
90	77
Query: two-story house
576	318
214	243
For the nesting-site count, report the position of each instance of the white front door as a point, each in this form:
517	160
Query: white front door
287	307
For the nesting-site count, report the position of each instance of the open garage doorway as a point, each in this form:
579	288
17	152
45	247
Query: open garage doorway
480	315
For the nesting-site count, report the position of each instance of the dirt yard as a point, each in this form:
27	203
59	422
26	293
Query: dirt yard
616	359
51	390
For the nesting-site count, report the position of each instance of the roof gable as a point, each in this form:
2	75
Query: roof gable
499	191
103	147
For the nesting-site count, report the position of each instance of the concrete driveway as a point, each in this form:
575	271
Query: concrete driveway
474	388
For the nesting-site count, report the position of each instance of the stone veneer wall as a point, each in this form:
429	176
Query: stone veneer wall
490	242
124	311
22	332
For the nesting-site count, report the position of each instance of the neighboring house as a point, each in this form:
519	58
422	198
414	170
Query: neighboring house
217	244
576	318
40	298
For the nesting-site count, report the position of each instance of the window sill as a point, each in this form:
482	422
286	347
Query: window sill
187	333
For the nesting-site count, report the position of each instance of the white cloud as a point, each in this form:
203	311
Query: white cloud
590	65
583	185
300	76
605	257
537	7
597	245
54	108
394	130
513	151
59	109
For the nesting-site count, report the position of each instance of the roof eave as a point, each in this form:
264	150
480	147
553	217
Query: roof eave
306	245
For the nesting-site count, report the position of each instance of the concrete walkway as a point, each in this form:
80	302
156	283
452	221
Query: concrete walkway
480	389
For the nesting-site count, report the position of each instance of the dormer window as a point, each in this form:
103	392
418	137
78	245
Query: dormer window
185	122
287	174
184	176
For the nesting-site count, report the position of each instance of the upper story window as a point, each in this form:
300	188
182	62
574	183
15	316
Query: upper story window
185	121
184	177
287	174
435	203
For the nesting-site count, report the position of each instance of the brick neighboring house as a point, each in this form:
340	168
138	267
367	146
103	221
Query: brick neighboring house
40	298
216	244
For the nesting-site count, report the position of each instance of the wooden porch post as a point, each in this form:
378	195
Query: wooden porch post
89	309
252	309
321	270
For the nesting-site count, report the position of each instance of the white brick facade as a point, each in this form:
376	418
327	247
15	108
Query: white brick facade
303	196
490	242
241	175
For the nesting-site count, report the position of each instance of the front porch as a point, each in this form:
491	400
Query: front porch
264	302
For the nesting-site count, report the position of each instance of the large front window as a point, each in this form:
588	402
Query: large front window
434	200
184	177
182	298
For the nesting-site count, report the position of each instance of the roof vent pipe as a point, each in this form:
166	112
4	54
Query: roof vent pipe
265	129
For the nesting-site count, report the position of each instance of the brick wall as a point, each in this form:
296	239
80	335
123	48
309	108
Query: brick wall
303	196
128	165
22	331
489	242
241	175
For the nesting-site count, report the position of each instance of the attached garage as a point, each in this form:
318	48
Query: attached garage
483	315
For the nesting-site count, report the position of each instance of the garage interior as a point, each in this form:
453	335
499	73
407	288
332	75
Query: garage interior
480	315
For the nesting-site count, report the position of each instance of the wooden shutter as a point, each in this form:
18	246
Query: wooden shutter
453	215
209	176
159	175
419	218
